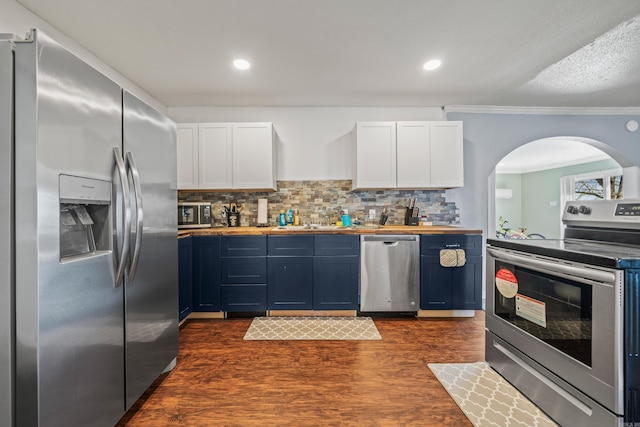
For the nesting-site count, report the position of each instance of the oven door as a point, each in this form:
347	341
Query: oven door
565	316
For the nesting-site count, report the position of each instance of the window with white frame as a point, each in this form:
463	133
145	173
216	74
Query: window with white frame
600	185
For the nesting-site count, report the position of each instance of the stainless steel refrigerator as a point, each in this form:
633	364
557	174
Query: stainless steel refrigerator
88	247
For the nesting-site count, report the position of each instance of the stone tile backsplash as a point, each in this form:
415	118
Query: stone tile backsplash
319	202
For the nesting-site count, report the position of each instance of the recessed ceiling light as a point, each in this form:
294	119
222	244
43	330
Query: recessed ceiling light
432	64
241	64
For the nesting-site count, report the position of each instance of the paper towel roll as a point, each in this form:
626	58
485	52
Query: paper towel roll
262	211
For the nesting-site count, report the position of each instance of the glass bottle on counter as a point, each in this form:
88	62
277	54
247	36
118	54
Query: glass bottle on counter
282	221
296	218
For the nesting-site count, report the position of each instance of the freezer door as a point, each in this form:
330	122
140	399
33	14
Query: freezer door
69	313
152	276
6	233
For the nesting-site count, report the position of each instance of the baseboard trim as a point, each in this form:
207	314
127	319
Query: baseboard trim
446	313
206	315
312	313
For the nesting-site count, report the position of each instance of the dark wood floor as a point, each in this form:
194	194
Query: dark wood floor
221	380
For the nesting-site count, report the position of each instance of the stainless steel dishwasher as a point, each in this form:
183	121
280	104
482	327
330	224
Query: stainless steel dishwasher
390	273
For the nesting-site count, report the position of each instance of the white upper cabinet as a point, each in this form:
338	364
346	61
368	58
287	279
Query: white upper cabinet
253	156
409	155
214	163
187	147
447	160
226	156
413	154
375	155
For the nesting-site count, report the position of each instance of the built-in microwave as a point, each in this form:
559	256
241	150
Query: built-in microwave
194	215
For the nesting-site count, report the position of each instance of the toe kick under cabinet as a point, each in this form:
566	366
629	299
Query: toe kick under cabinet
445	285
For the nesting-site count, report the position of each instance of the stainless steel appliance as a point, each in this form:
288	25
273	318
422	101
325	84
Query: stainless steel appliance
194	215
563	316
88	244
390	273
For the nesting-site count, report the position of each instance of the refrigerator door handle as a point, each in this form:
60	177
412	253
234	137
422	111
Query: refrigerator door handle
137	189
126	199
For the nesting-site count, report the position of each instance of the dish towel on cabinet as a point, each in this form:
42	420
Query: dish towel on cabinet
452	257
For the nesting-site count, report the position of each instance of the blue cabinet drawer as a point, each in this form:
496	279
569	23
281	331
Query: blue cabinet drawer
431	244
243	246
243	270
243	297
330	245
290	245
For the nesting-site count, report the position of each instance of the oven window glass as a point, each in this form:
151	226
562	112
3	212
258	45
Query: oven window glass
553	309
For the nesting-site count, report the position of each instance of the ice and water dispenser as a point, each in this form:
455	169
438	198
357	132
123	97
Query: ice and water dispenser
85	226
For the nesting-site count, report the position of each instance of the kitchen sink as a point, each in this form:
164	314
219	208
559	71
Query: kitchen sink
305	227
323	227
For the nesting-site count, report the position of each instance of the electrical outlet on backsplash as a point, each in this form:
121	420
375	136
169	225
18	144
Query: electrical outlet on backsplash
323	201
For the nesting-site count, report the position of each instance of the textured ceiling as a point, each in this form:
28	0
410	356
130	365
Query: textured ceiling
571	53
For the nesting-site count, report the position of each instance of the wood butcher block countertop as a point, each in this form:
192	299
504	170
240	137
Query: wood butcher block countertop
274	231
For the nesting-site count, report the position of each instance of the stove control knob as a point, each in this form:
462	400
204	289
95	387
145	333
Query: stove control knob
572	209
584	210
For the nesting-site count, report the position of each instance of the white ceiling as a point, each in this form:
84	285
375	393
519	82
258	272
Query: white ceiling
570	53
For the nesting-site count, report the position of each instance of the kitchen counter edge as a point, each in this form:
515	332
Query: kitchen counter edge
387	229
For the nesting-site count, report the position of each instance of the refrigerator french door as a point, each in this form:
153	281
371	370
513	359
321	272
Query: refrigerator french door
94	252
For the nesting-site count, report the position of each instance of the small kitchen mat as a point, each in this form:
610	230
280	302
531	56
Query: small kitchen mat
486	398
312	328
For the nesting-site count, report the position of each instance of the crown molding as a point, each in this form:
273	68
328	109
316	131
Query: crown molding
496	109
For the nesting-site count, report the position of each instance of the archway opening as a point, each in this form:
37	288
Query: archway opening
534	181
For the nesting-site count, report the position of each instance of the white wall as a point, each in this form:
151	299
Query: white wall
16	19
313	143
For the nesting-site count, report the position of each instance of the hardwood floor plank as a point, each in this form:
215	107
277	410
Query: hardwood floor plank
222	380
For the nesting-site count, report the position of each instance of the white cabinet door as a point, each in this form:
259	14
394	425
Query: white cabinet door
187	154
447	161
413	155
215	156
253	156
375	156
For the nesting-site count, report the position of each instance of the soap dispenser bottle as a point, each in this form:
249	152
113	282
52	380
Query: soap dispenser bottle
346	219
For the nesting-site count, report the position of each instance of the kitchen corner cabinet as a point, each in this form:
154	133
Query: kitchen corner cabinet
214	156
243	273
185	283
450	288
424	154
206	273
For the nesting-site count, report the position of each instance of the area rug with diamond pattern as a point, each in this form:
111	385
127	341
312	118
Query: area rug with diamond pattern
312	328
486	398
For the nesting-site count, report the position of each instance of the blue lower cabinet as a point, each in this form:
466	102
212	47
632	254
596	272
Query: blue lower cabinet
185	282
206	273
290	283
335	282
450	288
243	297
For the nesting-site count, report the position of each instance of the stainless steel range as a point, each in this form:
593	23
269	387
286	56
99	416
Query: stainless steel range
563	316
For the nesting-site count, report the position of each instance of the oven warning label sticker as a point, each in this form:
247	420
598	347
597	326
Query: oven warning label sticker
533	310
506	283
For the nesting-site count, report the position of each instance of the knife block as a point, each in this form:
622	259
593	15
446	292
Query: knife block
410	218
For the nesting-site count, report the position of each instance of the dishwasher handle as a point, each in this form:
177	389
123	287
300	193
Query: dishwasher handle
389	239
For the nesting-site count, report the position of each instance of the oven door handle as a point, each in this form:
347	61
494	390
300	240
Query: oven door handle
576	273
